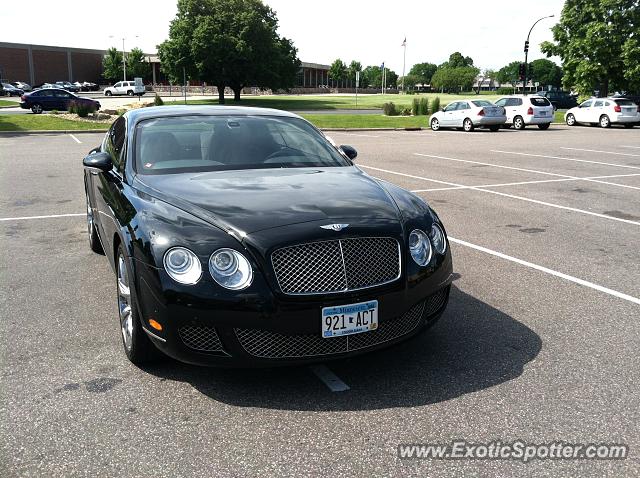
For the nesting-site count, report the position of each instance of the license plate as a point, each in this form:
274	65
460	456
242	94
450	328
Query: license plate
542	113
349	319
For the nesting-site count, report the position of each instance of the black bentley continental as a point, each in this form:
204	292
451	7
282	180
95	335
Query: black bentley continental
245	237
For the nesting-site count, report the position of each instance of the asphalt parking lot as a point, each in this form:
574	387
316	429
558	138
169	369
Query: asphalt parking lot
539	342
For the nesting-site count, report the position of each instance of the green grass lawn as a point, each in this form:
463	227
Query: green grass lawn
366	121
8	103
333	102
44	122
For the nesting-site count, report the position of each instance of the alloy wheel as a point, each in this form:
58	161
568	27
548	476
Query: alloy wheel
468	125
124	304
604	121
435	124
571	120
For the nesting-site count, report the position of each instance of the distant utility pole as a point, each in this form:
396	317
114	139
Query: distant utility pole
382	77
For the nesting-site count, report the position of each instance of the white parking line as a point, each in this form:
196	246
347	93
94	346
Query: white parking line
633	147
75	139
511	196
521	183
561	275
566	159
329	378
598	151
535	171
27	218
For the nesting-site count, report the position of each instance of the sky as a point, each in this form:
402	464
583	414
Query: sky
492	33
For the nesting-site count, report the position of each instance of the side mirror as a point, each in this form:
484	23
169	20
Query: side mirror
350	151
98	161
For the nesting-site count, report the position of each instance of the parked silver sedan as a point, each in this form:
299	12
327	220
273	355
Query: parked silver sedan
469	114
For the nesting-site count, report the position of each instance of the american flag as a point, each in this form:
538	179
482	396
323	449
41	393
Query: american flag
404	43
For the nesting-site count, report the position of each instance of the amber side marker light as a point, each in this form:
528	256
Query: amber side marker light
155	324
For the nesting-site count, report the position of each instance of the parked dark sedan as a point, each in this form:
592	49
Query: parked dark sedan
10	90
242	236
67	85
54	99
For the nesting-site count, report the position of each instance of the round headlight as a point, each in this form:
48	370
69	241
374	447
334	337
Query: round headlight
230	269
437	236
420	247
182	265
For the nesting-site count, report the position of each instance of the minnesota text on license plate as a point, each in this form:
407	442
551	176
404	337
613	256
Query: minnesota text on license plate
349	319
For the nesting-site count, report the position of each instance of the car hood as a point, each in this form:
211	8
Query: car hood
254	200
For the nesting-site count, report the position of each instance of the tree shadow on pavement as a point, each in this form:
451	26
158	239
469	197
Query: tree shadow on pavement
473	347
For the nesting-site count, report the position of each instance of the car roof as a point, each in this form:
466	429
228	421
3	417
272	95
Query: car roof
140	114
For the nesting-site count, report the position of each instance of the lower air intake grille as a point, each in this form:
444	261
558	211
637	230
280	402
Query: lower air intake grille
202	339
266	344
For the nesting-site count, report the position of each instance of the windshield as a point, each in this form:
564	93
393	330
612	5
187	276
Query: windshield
482	103
213	143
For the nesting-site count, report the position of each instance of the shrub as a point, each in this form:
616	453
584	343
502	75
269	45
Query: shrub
55	112
390	109
406	111
435	104
81	109
415	107
157	101
504	91
423	108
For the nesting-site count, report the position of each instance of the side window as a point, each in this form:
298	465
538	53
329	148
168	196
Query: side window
501	102
118	84
586	104
451	107
115	143
598	104
463	106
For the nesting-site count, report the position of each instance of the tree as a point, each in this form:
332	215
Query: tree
455	79
423	71
338	71
597	41
230	43
354	66
112	65
136	64
545	72
457	60
410	81
509	73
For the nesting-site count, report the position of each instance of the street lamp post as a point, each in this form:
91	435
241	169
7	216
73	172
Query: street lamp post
124	61
526	53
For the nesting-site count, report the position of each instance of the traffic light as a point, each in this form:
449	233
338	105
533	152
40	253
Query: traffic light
526	46
521	71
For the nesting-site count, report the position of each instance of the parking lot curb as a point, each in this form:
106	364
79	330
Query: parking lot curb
418	128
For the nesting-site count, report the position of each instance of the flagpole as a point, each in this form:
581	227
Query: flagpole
404	61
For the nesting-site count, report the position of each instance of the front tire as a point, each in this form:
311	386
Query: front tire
107	93
130	93
435	124
544	126
518	123
467	125
605	122
571	120
137	346
36	108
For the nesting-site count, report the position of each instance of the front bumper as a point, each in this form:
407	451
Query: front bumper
267	329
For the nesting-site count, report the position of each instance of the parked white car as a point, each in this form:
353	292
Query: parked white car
469	114
527	110
124	88
605	112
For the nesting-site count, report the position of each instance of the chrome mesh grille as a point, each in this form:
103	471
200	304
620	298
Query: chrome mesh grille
203	339
266	344
337	266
